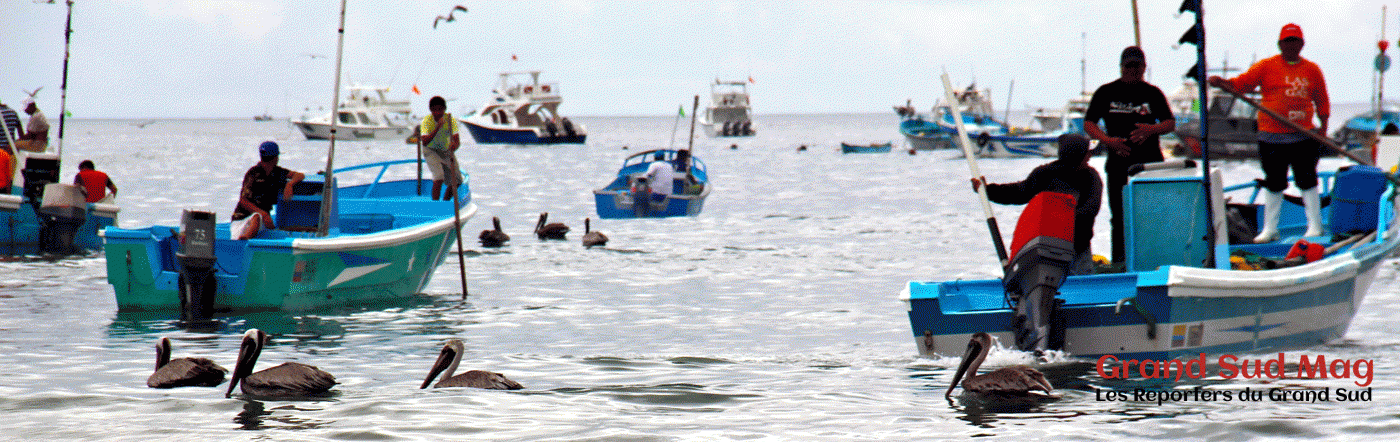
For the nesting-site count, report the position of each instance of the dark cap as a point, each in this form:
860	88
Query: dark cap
1073	147
1132	53
268	149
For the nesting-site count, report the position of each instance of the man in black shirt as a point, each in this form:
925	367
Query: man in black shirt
1134	113
261	186
1070	174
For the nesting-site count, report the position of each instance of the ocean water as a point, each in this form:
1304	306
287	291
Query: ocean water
774	315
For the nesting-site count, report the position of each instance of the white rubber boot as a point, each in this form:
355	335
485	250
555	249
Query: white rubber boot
1273	203
1312	205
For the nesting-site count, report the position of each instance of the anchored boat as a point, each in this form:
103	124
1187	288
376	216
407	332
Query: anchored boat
866	148
384	239
1180	295
628	195
523	112
47	216
366	114
728	114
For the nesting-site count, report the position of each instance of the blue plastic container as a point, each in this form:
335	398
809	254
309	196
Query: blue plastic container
1356	196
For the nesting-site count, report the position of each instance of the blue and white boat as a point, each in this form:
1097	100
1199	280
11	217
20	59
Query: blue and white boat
44	215
1361	129
1181	295
937	132
523	111
384	239
619	199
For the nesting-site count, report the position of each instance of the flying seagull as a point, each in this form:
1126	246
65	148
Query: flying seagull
449	16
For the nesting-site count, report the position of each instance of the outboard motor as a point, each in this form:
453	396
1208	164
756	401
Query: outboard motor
61	213
1042	251
196	260
641	196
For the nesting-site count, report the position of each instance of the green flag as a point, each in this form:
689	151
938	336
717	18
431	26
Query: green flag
682	110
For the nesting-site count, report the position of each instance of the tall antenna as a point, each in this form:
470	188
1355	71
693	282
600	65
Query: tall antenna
328	187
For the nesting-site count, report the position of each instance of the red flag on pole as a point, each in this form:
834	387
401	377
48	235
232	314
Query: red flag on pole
416	91
513	57
750	79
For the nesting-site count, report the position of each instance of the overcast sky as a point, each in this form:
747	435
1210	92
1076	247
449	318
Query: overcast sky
238	58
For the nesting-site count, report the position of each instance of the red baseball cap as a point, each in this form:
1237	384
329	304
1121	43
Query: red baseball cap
1290	30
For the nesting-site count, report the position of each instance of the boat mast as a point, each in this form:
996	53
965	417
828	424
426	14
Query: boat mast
328	187
63	90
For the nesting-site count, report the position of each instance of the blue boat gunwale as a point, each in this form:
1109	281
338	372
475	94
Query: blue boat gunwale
306	242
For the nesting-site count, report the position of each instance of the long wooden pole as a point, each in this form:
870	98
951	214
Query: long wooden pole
63	90
1297	127
966	144
457	225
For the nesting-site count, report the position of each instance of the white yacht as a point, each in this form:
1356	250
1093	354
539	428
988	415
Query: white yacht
728	114
523	111
367	114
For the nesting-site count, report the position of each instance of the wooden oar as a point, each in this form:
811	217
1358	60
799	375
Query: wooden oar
1297	127
972	165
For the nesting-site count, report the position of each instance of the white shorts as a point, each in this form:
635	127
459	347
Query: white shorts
235	228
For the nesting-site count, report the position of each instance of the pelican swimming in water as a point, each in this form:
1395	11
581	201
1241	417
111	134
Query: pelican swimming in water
551	230
592	238
1014	380
447	364
183	372
494	238
288	379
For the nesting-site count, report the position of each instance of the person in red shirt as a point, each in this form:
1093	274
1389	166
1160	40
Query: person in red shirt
1293	87
93	182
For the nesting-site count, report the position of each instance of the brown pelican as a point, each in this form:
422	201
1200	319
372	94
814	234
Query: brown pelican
551	230
447	364
494	238
591	238
1014	380
183	372
288	379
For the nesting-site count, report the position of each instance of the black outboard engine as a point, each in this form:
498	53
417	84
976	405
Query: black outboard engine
196	260
61	211
1042	253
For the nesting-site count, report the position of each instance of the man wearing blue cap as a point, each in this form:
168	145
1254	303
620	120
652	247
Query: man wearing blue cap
261	186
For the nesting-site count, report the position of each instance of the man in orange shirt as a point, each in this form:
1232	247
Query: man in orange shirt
1293	87
93	182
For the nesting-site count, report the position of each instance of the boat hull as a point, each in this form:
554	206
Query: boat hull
322	131
872	148
22	230
387	247
619	204
496	134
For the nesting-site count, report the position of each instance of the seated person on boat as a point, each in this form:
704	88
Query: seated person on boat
1069	174
661	176
259	193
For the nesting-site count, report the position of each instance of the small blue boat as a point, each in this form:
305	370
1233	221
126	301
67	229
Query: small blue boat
385	237
1168	304
937	132
866	148
47	216
1362	128
619	199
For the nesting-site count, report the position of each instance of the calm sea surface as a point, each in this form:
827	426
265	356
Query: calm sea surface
774	315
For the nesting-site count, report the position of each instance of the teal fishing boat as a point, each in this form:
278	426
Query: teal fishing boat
383	241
